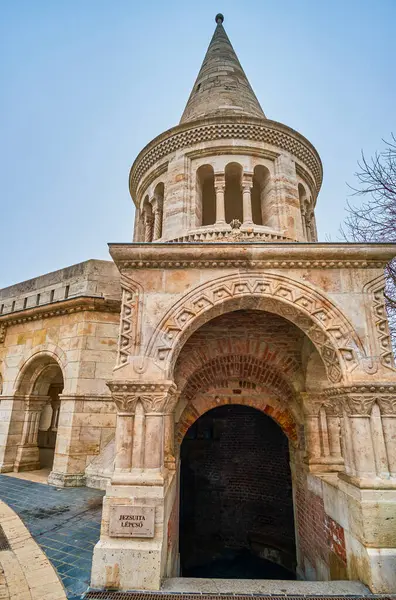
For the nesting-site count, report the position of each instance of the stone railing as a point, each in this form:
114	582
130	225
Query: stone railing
226	234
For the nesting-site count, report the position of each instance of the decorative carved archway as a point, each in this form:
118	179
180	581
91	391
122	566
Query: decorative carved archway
325	325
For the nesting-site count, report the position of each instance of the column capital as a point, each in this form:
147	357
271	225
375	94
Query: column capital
219	178
312	403
34	403
358	400
156	397
247	181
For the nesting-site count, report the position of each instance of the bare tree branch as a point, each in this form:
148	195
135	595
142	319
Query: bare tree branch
375	219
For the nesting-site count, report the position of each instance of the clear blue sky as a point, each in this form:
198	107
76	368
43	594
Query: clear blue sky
85	84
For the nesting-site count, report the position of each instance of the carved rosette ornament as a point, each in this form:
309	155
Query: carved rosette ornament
159	398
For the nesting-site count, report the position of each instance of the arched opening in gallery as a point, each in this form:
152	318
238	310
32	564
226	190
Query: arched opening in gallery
233	192
261	181
40	385
206	204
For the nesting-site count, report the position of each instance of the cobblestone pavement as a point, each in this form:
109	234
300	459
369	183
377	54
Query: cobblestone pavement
65	522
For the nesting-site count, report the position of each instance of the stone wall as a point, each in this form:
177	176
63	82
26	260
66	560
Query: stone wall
73	340
98	278
321	539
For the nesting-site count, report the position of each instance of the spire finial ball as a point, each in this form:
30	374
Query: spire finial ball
219	18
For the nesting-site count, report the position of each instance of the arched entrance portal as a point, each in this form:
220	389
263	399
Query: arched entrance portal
236	505
39	388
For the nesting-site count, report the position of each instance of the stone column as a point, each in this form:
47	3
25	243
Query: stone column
12	418
247	184
304	223
141	412
123	442
141	482
311	411
285	210
333	411
138	437
358	410
387	404
220	205
157	210
28	458
322	433
169	441
148	228
55	404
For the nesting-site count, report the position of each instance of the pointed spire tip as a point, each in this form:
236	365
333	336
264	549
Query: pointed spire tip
219	18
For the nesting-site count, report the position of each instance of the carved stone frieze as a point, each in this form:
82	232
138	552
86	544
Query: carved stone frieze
129	338
155	397
184	136
359	400
378	321
221	263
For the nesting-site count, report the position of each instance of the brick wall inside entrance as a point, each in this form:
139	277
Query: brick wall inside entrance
236	491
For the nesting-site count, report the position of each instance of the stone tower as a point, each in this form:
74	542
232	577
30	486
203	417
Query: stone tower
229	300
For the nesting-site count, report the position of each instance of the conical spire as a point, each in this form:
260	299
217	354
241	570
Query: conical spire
221	86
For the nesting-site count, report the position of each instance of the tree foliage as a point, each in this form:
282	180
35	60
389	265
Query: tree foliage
375	219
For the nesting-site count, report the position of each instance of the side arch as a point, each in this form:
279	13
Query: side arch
41	359
325	325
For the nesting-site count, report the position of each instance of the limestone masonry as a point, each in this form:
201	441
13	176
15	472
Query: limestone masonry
227	379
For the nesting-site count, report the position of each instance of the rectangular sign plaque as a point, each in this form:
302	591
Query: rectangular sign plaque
132	521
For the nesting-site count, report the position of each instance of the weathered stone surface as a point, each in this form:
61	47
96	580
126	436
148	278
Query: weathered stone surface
256	313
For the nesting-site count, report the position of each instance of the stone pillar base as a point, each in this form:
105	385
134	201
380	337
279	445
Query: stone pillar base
125	564
6	467
66	479
325	465
369	483
27	459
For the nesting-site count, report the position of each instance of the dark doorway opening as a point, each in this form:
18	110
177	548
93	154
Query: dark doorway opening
236	510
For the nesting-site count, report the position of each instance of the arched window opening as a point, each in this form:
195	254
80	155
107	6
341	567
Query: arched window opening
148	220
206	196
233	192
158	205
259	194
